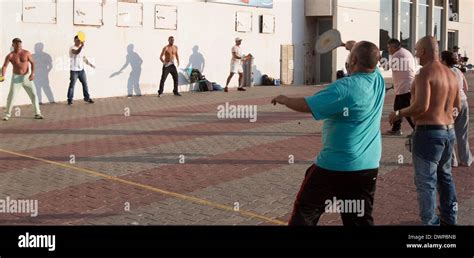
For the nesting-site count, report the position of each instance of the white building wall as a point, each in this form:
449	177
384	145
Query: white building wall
465	26
356	20
209	26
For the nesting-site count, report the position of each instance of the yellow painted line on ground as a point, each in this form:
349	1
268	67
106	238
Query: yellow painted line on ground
151	188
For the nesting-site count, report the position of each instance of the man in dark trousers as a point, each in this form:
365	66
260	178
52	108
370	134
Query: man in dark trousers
345	171
168	57
402	64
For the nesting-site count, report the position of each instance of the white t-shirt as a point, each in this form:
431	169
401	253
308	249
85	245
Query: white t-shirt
403	68
238	51
460	79
76	61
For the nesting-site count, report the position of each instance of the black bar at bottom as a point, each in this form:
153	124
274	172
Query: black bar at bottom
223	241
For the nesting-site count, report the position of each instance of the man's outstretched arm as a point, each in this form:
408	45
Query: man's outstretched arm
297	104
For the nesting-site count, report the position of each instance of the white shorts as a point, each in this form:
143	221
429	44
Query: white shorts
236	68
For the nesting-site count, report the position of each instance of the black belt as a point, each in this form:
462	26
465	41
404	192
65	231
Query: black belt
433	127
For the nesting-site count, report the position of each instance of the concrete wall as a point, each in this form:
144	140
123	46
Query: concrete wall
465	26
356	20
209	26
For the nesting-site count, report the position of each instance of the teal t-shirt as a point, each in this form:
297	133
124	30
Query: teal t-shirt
351	109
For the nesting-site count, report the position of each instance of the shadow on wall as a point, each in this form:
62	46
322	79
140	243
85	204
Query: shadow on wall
196	61
43	66
257	75
135	62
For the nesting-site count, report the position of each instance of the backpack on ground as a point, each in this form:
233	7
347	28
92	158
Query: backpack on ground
195	76
205	85
266	80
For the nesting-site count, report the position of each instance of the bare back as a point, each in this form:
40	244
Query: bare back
438	84
20	61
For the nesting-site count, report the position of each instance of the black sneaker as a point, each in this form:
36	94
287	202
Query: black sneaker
69	102
241	89
177	94
90	101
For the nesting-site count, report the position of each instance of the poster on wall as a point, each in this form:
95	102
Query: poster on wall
254	3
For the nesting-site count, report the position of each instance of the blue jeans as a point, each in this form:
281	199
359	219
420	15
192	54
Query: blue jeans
432	153
81	75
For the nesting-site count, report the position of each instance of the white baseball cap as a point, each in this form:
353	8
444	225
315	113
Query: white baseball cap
238	39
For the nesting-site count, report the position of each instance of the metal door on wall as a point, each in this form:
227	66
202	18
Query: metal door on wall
287	64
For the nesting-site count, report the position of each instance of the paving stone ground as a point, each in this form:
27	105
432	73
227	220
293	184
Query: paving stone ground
172	161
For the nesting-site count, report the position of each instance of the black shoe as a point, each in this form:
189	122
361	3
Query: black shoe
90	101
69	102
241	89
177	94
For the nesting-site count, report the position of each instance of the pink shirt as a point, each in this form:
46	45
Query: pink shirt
403	66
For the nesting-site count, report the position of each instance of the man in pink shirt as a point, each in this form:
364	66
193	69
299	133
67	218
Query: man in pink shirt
403	65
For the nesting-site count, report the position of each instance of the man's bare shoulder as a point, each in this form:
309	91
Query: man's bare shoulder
424	73
10	55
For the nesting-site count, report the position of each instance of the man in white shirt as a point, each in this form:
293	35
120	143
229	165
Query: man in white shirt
77	59
402	64
236	65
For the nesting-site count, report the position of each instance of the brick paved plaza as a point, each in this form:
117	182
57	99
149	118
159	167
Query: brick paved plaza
171	161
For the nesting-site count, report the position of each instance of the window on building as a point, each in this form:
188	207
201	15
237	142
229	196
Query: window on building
452	39
386	25
423	9
438	21
454	10
406	24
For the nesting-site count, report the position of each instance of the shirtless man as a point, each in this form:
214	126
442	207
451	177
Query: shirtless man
435	99
167	57
20	58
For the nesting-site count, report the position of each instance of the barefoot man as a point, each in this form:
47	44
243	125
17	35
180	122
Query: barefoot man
167	57
435	99
20	59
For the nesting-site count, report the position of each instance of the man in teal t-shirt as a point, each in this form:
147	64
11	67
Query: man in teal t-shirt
345	171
